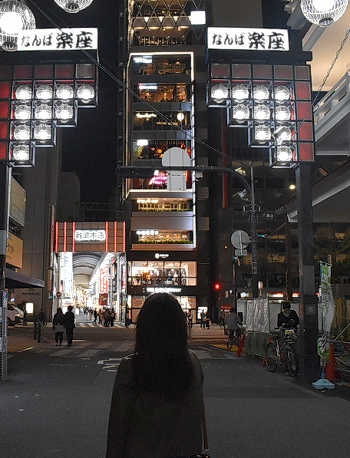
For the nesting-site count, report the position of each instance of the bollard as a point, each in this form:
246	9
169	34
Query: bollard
39	332
35	329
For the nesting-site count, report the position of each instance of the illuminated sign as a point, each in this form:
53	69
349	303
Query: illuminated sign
142	59
92	235
145	115
164	290
57	39
147	232
253	39
161	255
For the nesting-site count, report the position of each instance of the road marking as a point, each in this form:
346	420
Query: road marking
88	353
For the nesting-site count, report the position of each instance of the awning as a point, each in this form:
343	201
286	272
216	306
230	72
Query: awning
17	280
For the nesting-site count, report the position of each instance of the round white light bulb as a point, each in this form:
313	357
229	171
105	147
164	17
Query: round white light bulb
65	92
22	112
21	153
11	23
23	92
240	112
240	92
44	92
85	93
21	132
260	92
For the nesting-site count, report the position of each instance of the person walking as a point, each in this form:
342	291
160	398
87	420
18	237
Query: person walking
202	316
95	316
58	326
69	324
158	382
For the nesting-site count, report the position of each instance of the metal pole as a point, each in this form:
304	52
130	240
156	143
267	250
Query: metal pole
255	290
309	360
5	174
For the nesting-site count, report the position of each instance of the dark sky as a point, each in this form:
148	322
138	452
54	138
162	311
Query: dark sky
89	149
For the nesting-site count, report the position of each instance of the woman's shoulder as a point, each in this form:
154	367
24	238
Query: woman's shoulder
125	372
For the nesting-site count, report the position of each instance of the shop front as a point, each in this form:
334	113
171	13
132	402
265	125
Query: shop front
169	272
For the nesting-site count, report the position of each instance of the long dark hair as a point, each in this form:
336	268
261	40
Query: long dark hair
162	362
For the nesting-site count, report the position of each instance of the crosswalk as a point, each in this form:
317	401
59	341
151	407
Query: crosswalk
87	350
96	325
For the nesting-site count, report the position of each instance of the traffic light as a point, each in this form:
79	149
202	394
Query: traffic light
217	287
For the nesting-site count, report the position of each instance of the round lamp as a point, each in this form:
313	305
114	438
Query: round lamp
323	12
21	152
14	16
73	6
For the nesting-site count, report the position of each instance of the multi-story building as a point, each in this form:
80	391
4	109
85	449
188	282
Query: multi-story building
179	232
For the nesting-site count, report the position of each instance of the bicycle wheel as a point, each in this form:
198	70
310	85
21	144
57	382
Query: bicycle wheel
271	358
292	362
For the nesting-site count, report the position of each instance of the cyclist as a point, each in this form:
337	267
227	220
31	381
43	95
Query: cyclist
287	318
233	324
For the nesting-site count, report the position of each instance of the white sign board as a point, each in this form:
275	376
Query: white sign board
92	235
253	39
57	39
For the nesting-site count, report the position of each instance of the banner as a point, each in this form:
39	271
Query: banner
327	307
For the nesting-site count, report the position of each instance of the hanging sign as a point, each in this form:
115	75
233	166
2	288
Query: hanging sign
90	235
57	39
253	39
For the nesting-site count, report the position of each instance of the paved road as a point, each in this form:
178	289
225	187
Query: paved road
56	402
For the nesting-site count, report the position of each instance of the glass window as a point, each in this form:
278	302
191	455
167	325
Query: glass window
162	273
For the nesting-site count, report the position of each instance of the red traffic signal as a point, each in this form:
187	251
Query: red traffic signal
217	286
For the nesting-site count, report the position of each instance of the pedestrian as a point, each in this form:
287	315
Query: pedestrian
42	317
202	316
207	320
25	317
112	317
69	324
58	326
160	383
95	316
222	318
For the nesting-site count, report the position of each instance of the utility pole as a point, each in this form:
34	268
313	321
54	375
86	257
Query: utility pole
253	236
5	175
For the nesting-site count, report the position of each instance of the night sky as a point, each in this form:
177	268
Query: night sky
90	149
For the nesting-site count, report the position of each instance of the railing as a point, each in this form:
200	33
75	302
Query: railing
333	106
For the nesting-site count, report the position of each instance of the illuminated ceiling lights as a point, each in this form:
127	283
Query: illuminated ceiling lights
73	6
323	12
14	16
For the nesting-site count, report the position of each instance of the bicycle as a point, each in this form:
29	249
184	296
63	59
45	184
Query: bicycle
235	339
280	349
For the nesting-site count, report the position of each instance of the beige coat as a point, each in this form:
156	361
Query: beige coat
145	425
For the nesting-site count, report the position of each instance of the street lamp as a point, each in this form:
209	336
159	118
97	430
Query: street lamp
323	12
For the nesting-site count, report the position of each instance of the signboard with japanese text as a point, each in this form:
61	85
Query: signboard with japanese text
104	280
253	39
98	235
57	39
14	250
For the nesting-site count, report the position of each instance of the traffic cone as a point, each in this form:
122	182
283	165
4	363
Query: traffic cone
330	365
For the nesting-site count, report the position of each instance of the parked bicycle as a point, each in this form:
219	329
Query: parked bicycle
280	349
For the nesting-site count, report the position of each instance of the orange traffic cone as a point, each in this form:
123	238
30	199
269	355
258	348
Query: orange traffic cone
330	365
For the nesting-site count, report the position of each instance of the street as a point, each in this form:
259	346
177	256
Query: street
55	402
